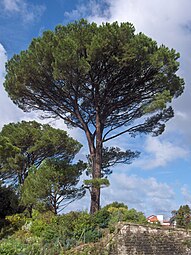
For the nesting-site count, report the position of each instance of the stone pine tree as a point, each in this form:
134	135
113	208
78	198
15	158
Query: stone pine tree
25	144
105	80
54	184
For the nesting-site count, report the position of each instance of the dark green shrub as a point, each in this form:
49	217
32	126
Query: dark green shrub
92	235
83	223
134	216
40	221
102	218
9	203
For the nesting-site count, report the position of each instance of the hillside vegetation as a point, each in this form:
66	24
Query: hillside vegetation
49	234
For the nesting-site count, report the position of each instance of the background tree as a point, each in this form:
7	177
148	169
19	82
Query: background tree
9	202
54	184
105	80
25	144
183	216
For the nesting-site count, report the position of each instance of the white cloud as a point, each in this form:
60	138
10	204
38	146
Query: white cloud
158	18
186	194
9	112
92	7
3	59
28	12
11	5
146	195
158	153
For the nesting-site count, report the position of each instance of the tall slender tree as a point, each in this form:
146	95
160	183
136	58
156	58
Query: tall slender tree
106	80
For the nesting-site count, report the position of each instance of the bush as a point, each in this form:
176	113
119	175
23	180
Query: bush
83	223
47	234
16	247
40	221
102	218
92	235
134	216
116	205
16	220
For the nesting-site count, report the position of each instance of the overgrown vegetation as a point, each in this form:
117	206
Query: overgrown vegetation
47	233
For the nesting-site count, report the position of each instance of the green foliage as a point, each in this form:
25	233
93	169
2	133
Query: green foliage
16	220
16	247
49	234
53	183
25	144
39	222
119	212
69	60
9	203
11	248
97	182
116	205
183	217
102	217
134	216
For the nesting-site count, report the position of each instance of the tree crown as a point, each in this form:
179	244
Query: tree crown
83	70
25	144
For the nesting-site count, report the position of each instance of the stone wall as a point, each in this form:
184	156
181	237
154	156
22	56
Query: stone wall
131	239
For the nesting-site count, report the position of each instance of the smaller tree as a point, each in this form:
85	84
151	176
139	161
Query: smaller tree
25	144
54	184
183	216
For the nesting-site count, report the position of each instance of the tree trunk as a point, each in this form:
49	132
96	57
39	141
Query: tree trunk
54	204
95	200
96	174
95	149
96	171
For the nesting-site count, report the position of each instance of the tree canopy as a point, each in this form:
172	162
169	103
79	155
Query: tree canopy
183	216
25	144
106	80
53	184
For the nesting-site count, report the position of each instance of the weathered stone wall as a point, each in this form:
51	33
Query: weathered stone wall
134	239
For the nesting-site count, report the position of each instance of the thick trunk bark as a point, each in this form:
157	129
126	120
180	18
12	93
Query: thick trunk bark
96	171
95	200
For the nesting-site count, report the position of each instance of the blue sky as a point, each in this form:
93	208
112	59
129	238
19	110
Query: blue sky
160	180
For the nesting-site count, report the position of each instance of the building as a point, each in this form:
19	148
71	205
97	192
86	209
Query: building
158	219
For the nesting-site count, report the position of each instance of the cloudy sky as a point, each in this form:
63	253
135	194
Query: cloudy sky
160	180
